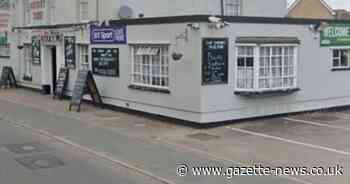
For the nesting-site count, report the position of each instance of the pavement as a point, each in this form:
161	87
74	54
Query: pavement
155	148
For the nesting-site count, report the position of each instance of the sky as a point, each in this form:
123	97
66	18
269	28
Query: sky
336	4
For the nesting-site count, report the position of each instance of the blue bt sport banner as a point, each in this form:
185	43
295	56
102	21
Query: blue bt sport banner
108	34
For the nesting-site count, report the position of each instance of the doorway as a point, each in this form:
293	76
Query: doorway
54	68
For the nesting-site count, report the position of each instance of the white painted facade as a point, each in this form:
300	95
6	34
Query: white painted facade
320	87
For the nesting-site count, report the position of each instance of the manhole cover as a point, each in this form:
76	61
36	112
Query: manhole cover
203	136
40	162
26	148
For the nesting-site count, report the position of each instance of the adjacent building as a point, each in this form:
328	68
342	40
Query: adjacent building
175	59
313	9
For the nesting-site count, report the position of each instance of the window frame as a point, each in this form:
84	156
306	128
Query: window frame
230	3
256	66
82	11
87	56
332	58
161	47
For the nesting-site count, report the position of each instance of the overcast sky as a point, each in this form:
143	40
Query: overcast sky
337	4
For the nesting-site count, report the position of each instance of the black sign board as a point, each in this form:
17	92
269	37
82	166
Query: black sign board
61	82
105	61
69	51
85	84
214	61
7	77
36	51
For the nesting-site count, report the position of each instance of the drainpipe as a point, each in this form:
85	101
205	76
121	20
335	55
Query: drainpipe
222	8
98	10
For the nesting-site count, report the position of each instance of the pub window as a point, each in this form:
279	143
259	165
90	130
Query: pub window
52	11
232	7
27	13
83	55
341	58
150	66
27	61
263	68
5	50
83	10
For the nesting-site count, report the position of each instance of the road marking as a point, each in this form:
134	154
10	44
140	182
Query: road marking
343	114
126	165
219	158
88	150
291	141
317	124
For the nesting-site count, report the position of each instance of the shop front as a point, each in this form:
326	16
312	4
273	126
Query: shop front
194	69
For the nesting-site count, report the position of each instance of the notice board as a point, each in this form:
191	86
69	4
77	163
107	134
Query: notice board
105	62
214	61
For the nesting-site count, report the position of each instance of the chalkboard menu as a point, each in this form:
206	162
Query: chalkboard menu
85	84
36	51
69	51
105	61
7	77
61	82
214	61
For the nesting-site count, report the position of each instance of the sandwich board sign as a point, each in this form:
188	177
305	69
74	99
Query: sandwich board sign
85	84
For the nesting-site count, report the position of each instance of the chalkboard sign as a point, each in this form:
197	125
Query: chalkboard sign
214	61
61	82
105	61
69	51
8	77
36	51
85	84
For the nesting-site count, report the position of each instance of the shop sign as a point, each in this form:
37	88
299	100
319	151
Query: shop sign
108	34
335	35
47	36
36	50
69	51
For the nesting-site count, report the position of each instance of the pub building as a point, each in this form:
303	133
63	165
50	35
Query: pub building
248	61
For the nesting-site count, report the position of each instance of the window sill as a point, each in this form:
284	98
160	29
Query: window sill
339	69
267	92
150	89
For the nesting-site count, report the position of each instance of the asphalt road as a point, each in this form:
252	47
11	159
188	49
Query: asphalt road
28	158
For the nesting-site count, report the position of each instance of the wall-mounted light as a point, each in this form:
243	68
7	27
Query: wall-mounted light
217	23
194	26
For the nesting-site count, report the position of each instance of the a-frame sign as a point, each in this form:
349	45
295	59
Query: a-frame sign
85	84
61	83
8	78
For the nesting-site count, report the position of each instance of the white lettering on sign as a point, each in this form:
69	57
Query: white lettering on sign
333	32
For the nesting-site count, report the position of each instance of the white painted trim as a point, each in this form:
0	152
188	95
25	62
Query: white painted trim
149	43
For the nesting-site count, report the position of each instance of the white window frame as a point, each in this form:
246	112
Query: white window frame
52	11
27	58
27	17
83	13
162	63
333	58
256	66
232	7
83	55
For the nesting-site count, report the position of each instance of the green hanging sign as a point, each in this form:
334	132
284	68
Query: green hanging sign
335	35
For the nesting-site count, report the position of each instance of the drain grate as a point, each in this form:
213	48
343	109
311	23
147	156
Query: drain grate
45	161
26	148
203	136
